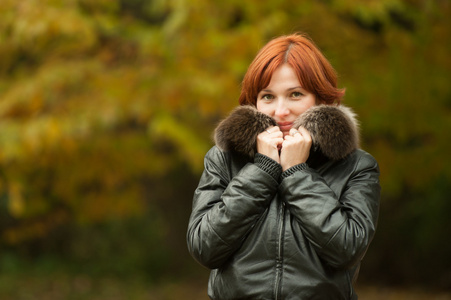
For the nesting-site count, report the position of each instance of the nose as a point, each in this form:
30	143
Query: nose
282	109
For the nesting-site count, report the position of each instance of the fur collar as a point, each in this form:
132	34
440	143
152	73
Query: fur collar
334	130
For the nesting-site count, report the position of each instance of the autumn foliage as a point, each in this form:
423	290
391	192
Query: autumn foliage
107	109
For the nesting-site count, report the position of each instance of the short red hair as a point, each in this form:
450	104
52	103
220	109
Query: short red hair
314	71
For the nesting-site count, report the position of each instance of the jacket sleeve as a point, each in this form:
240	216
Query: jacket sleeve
226	208
340	229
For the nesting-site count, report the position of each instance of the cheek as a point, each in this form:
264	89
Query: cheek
266	109
310	103
257	105
303	107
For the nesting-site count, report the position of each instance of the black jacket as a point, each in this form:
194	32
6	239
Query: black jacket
298	234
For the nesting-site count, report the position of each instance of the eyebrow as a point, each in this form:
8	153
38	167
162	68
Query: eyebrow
290	89
295	88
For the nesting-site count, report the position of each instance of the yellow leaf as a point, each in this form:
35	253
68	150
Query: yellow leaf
16	203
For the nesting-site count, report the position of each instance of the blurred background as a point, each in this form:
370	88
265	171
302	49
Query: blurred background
107	109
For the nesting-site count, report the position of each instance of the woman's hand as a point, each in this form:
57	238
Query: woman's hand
295	148
269	142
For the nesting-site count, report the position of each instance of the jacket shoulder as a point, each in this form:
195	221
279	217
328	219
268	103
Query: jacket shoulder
217	157
227	162
365	159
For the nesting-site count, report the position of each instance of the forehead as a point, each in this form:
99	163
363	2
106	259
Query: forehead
284	76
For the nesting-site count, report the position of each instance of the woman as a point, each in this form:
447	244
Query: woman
287	204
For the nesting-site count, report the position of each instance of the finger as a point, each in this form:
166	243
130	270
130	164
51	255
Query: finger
305	133
273	129
278	141
270	129
273	132
293	131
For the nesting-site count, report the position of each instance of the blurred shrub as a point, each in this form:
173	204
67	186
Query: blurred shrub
100	100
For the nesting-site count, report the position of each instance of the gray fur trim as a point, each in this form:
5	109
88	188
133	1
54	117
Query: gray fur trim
238	132
334	130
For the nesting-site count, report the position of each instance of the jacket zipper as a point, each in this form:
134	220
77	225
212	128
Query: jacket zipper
279	258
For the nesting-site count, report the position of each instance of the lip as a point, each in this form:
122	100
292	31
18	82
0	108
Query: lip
285	126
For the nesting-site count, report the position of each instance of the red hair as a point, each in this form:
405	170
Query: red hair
314	71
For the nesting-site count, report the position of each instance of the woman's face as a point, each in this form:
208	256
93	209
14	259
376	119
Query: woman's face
284	99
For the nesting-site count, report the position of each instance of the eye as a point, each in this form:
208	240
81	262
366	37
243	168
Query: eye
267	97
296	94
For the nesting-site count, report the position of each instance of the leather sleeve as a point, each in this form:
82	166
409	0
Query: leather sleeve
340	227
225	208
